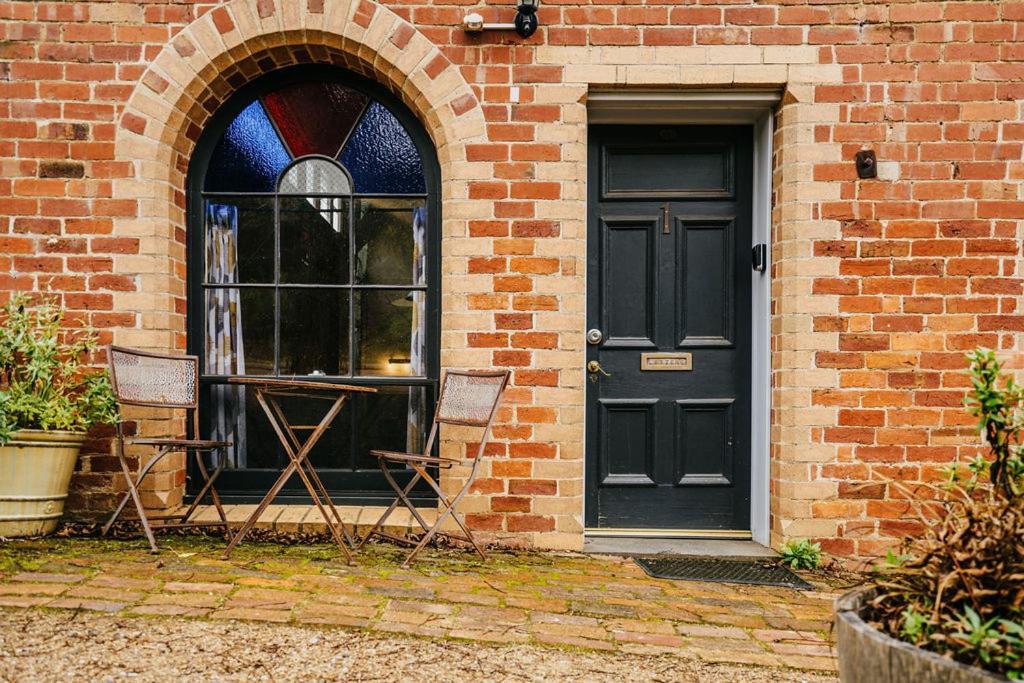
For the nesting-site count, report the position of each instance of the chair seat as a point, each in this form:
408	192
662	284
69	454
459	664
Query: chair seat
396	456
199	444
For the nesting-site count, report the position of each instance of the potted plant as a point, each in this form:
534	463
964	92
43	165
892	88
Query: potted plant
950	605
48	400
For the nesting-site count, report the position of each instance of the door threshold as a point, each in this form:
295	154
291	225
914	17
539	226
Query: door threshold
731	534
687	547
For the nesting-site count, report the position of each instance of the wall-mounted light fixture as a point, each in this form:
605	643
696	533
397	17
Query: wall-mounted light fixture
526	22
867	164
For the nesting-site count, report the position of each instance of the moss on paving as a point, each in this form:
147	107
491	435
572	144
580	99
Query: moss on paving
271	558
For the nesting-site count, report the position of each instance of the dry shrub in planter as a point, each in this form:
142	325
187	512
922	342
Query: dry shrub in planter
957	588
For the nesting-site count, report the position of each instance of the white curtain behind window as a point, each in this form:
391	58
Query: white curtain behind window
417	396
224	349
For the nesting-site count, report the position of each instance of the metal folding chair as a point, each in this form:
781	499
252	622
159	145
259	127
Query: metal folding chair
468	399
163	381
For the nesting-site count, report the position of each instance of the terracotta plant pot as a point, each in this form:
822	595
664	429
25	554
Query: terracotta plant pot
866	655
35	471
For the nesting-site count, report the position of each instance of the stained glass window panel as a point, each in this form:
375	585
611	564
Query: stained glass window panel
315	176
315	117
311	256
249	157
381	156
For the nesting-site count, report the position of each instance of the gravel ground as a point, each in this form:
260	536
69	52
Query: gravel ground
78	646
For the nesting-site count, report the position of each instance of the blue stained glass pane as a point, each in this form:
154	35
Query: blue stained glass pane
381	156
249	157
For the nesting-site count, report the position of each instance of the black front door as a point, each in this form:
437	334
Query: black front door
669	331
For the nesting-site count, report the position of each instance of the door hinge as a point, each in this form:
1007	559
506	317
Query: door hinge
759	257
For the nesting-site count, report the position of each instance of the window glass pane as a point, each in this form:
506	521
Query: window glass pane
334	449
315	117
315	176
239	331
389	332
391	241
234	414
249	157
381	156
314	331
393	419
239	240
314	240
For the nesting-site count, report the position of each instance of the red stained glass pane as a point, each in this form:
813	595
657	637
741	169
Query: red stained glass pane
315	117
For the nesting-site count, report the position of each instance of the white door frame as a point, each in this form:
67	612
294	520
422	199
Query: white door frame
745	106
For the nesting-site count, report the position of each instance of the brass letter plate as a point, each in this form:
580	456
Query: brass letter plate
666	361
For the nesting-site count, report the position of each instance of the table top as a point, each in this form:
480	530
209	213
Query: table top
297	383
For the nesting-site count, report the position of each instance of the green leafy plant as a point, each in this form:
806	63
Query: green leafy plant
957	586
801	554
1000	421
995	642
915	625
43	382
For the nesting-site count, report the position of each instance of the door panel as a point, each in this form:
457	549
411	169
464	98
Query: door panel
705	442
645	170
628	281
669	272
704	275
627	447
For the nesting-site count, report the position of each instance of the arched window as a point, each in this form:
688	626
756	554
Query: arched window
313	252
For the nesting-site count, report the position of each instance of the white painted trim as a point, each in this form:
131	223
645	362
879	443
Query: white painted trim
750	106
712	106
760	366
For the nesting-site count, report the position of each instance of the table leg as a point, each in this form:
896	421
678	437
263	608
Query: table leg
295	465
311	471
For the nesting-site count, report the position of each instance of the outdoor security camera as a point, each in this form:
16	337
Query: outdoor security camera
526	17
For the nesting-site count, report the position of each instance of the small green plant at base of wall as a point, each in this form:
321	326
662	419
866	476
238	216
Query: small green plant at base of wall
43	383
800	553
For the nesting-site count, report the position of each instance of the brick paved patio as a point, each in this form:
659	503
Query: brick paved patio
558	600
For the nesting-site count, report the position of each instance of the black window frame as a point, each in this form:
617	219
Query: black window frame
353	487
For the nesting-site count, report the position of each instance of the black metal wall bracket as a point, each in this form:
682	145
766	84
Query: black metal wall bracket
759	257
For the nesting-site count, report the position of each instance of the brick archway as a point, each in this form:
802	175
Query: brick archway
208	61
184	86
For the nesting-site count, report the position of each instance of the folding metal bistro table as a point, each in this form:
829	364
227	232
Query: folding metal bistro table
268	391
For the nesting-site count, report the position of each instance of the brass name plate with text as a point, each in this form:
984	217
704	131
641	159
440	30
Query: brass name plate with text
666	361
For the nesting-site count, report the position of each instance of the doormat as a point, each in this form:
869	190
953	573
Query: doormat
754	572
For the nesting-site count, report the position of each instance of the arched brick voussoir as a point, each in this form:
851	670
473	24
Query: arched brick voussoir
224	49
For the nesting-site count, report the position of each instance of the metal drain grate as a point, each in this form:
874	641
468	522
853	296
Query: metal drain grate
756	572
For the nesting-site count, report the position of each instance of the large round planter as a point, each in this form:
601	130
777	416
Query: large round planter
35	471
866	655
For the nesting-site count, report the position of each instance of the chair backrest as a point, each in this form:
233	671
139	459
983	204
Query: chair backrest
470	398
152	379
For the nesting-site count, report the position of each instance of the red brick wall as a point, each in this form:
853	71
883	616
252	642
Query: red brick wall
881	285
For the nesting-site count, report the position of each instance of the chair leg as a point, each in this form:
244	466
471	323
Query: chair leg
394	504
403	494
134	494
127	496
449	511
